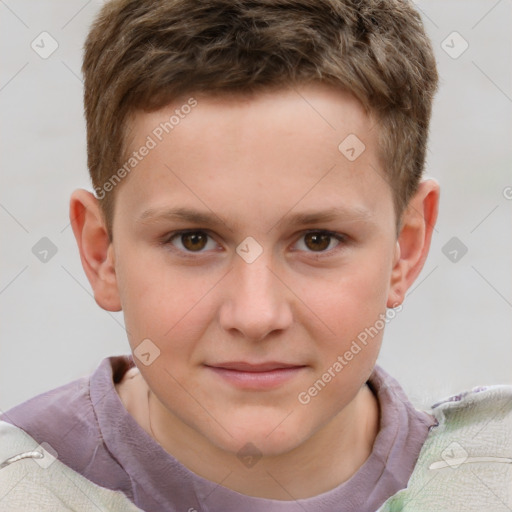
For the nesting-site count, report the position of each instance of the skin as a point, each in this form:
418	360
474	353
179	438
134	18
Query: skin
253	163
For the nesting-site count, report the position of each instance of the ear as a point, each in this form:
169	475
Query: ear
413	244
96	250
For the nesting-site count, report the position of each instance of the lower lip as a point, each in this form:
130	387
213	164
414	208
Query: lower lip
257	380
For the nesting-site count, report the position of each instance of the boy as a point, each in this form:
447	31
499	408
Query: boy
259	214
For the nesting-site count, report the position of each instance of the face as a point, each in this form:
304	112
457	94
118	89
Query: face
253	252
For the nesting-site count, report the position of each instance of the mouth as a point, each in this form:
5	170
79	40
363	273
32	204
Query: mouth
256	376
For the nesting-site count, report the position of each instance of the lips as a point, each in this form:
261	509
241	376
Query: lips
243	366
262	376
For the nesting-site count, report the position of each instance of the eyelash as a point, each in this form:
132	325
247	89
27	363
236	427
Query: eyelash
343	239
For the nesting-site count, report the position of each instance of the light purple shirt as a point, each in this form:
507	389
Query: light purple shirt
92	432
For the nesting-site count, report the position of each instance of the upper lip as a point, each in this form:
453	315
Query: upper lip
254	367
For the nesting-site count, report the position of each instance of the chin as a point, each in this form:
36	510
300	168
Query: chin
267	438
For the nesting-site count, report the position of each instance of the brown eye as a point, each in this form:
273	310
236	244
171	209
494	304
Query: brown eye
194	241
317	241
321	243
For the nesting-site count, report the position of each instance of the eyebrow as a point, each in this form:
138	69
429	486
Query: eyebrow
210	219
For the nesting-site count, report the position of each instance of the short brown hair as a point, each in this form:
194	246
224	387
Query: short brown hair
143	54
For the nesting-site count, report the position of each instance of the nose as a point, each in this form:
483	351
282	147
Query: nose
257	302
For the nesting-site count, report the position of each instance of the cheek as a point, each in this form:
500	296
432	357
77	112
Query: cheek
149	295
166	305
351	308
354	312
355	296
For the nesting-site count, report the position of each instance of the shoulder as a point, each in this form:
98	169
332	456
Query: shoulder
474	428
466	460
65	417
33	478
57	416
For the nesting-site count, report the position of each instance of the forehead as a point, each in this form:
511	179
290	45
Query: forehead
283	147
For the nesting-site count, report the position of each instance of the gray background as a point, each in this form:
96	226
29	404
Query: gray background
454	331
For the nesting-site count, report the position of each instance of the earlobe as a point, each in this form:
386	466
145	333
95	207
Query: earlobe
96	250
418	223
